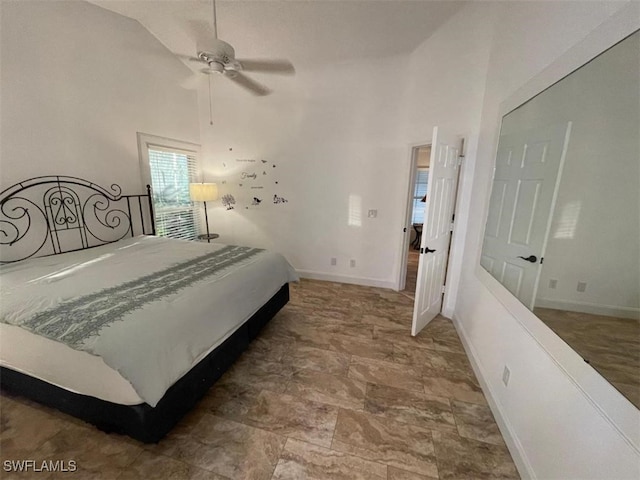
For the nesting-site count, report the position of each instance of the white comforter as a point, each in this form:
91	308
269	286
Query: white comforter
155	343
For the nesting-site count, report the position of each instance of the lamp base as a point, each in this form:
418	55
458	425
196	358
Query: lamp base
208	237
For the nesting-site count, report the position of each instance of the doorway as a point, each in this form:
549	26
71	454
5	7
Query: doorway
435	231
418	194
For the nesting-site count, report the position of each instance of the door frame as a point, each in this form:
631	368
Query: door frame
450	275
404	238
408	208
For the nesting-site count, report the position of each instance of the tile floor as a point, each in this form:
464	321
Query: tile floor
611	345
334	388
413	257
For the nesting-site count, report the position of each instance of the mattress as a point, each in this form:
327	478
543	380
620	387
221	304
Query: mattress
59	365
135	356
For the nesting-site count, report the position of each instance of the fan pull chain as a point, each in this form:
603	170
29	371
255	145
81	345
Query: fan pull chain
210	101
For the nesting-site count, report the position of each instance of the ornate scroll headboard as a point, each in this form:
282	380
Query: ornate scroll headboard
57	214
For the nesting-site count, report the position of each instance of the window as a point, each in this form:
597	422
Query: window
419	191
169	166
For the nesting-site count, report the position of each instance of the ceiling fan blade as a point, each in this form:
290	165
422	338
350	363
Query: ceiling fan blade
282	67
190	58
245	82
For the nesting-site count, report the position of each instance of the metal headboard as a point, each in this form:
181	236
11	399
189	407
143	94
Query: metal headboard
49	215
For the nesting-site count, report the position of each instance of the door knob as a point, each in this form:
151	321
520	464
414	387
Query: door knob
530	258
428	250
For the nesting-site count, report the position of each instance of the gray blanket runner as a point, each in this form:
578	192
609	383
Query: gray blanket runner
74	321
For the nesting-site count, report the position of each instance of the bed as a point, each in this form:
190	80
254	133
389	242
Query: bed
120	328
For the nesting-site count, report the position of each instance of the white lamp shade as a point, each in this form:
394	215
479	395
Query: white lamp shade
203	192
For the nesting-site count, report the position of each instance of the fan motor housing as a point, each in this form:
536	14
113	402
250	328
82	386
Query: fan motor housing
218	51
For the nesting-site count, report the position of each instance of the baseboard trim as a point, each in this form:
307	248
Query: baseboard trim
506	429
447	312
592	308
332	277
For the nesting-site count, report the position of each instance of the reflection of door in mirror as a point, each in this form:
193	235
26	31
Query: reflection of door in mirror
587	290
525	184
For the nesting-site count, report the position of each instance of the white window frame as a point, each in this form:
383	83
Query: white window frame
147	141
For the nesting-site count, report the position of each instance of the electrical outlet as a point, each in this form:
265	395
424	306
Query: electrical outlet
582	286
553	283
372	213
506	373
352	263
334	261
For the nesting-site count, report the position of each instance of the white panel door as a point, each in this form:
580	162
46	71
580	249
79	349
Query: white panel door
436	231
526	178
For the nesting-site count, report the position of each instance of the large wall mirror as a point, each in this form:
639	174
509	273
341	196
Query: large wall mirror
563	228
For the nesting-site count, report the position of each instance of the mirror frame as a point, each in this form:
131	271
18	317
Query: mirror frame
614	408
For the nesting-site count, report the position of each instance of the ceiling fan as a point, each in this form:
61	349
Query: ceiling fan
219	58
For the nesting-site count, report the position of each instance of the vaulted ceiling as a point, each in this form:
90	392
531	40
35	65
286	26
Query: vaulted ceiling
305	32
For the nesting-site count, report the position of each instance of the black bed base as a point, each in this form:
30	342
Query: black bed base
143	422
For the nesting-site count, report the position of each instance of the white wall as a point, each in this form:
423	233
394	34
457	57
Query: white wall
77	83
561	419
334	136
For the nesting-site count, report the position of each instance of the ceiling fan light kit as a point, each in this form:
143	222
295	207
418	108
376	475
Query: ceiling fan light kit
214	67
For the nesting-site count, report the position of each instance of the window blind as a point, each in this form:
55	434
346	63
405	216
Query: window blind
171	172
